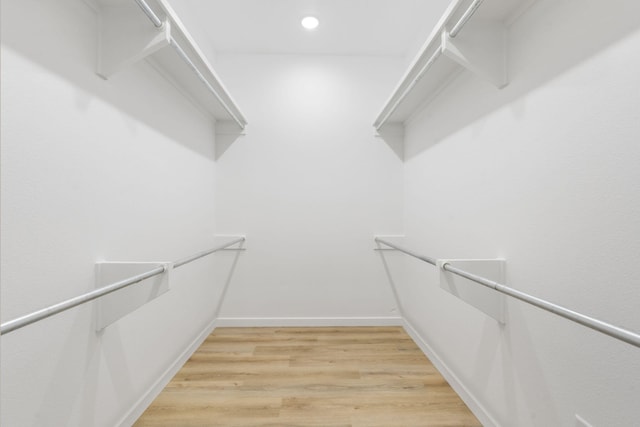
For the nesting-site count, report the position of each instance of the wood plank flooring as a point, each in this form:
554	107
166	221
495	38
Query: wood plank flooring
330	377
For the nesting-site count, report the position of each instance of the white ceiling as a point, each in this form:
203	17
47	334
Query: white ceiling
347	27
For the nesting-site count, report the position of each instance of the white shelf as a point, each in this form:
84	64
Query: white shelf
480	47
127	35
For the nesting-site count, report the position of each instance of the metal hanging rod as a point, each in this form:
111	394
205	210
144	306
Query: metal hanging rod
453	33
36	316
150	13
158	24
426	259
590	322
199	255
465	17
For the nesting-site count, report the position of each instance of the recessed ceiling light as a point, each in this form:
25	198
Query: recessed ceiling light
310	22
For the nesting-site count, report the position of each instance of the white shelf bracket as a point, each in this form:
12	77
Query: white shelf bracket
126	37
227	131
116	305
489	301
393	135
480	48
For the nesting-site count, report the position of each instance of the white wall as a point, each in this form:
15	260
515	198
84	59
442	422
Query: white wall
310	185
544	173
119	170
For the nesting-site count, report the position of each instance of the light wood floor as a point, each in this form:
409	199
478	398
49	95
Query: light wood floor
364	377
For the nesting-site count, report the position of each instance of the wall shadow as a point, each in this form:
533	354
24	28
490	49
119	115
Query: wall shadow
80	387
526	371
390	278
227	281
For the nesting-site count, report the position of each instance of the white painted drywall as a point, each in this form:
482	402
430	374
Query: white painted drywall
546	174
118	170
310	185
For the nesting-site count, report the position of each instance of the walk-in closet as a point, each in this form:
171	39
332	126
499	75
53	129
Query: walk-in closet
364	213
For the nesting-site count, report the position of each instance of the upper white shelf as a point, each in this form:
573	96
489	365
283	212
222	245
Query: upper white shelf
128	35
471	35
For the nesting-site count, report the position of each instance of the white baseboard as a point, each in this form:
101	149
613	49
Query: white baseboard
307	321
467	397
143	403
